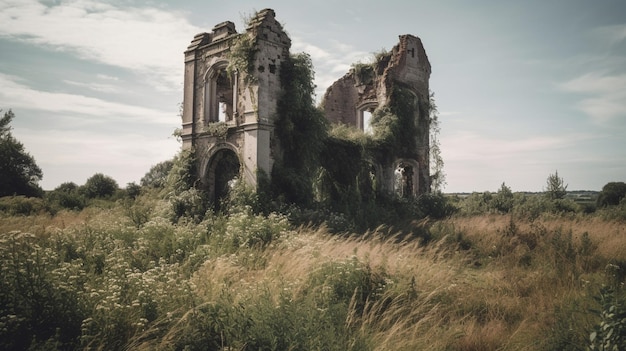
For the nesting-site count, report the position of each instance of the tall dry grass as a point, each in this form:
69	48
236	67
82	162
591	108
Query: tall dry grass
486	282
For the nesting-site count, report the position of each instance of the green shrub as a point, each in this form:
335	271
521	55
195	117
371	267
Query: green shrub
156	177
610	333
344	283
39	299
22	205
612	193
99	186
67	196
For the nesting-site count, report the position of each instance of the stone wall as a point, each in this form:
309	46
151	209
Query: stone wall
366	87
248	89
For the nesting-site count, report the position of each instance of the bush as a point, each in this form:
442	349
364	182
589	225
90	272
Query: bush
99	186
612	193
610	333
22	205
435	206
156	177
67	196
38	303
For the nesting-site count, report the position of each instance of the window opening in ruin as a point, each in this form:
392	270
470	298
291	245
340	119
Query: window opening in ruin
367	116
223	112
218	95
365	112
224	170
405	179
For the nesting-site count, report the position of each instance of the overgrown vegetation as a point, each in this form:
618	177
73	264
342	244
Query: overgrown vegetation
301	129
126	273
19	173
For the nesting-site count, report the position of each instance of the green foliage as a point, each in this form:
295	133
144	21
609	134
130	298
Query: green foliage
99	186
38	303
20	174
132	190
186	201
610	333
433	205
301	130
156	177
22	205
343	283
612	193
503	200
182	173
68	195
364	73
393	125
241	57
614	212
555	187
437	175
217	129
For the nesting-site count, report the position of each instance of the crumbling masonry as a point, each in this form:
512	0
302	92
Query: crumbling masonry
229	109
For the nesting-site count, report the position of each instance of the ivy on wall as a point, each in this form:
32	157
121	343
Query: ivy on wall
301	129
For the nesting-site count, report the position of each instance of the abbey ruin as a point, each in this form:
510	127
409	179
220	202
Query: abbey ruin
232	91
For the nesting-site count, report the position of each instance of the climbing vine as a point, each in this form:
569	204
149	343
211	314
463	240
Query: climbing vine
241	57
301	129
217	129
393	125
437	176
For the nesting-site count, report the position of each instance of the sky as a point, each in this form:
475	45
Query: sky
524	89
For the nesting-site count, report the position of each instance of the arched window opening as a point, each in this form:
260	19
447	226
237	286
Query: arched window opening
219	95
405	179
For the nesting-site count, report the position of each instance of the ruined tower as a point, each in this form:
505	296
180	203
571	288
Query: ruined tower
231	87
396	83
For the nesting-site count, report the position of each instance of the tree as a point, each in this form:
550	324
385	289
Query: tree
99	185
555	187
19	173
612	193
157	175
503	200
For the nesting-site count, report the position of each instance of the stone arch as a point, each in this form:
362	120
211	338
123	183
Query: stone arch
221	170
220	93
406	178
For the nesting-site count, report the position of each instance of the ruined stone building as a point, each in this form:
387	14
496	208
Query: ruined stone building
231	90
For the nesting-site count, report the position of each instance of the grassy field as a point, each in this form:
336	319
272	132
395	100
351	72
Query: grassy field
122	276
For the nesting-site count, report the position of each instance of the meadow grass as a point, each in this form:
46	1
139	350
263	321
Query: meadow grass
253	282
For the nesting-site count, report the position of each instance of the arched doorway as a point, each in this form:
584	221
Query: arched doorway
223	173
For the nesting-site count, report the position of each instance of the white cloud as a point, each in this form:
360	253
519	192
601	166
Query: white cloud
606	95
331	64
467	146
147	40
23	96
69	155
99	87
611	34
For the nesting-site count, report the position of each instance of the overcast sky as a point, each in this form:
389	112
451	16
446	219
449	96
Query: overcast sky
524	88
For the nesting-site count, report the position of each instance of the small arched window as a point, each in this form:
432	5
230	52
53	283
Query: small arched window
219	94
